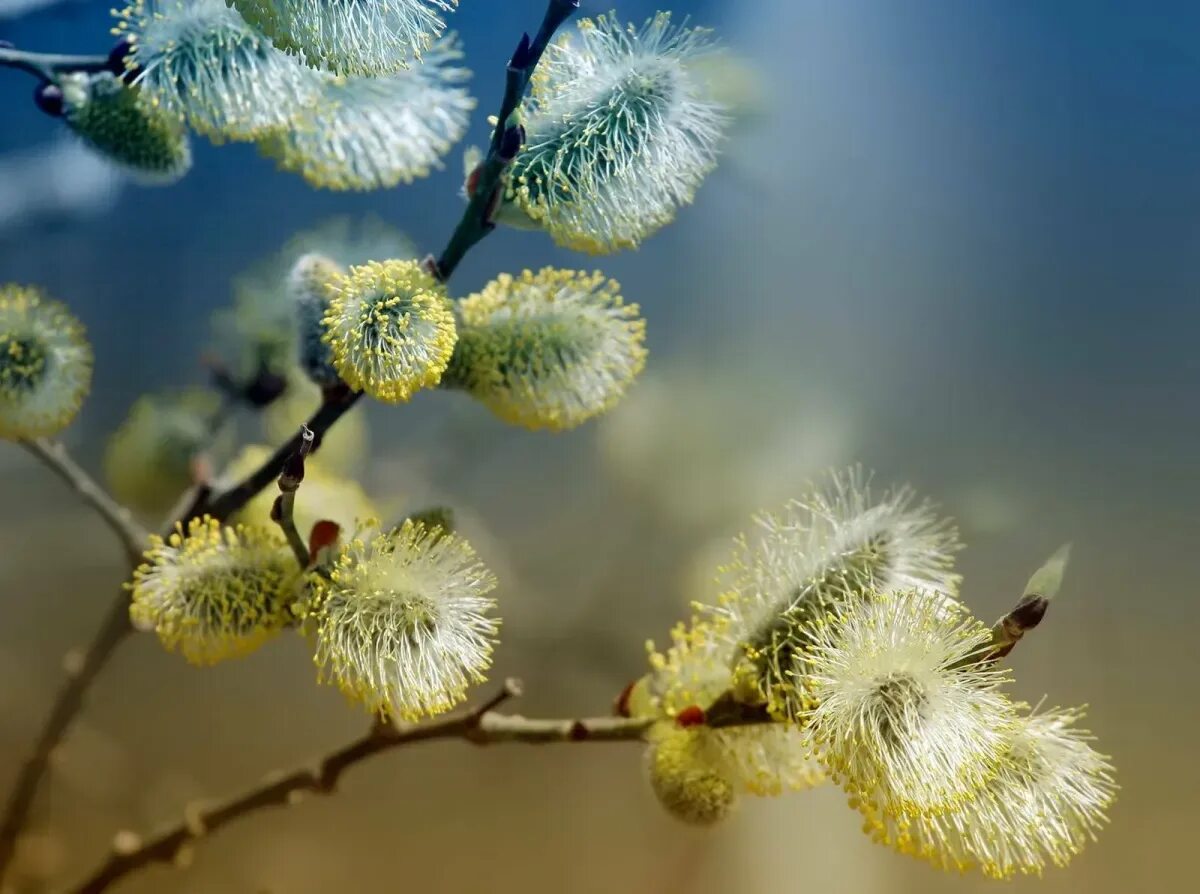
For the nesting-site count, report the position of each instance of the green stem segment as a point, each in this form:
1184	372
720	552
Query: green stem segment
477	222
47	66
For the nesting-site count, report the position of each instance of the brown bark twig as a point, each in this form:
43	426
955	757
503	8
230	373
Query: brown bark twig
81	667
54	456
480	725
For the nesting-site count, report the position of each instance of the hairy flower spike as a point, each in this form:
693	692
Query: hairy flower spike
1048	797
822	554
45	364
199	61
685	775
391	328
375	132
896	715
113	119
214	592
548	350
402	624
361	37
150	459
621	130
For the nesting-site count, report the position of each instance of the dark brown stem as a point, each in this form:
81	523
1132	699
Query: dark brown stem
333	407
476	222
480	725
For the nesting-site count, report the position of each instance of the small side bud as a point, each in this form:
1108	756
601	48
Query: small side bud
118	60
1047	580
520	56
324	537
49	98
512	141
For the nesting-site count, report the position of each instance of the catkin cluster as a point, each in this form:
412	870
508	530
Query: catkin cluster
840	650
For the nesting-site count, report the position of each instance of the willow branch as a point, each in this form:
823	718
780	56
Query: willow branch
481	725
335	405
283	512
55	457
476	222
45	66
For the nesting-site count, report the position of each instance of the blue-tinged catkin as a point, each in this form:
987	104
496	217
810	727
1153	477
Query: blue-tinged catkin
117	122
355	38
201	62
621	131
368	133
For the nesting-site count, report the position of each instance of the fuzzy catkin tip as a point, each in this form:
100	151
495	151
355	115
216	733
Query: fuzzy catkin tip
621	131
117	122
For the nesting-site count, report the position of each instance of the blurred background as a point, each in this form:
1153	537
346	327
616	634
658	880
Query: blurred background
956	242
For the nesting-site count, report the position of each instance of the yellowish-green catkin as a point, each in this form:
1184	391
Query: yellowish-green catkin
392	329
548	350
687	783
403	621
214	592
132	133
367	133
45	364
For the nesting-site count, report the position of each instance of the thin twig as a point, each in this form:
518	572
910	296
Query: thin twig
284	509
333	407
81	668
45	66
55	457
480	725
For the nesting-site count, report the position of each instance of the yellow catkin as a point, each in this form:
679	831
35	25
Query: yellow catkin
392	329
685	780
